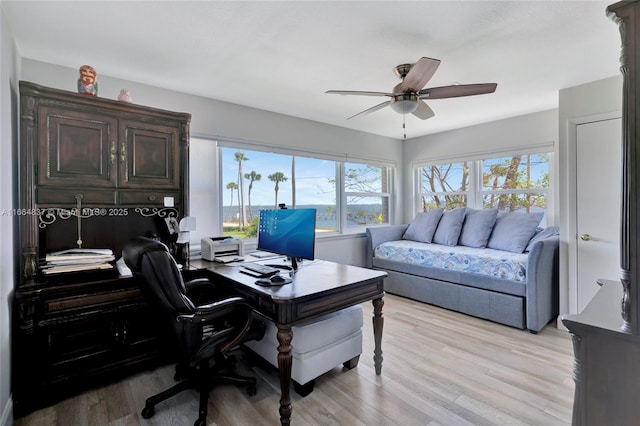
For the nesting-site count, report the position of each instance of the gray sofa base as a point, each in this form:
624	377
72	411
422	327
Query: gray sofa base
498	307
530	305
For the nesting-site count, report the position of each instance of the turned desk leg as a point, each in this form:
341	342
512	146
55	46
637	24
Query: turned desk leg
285	335
378	323
579	408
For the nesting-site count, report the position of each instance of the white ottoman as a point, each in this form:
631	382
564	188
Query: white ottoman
317	346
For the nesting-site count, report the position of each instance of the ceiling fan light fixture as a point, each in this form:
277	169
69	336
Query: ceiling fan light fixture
405	103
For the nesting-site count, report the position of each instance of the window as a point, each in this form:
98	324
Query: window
516	182
253	180
445	185
367	191
509	183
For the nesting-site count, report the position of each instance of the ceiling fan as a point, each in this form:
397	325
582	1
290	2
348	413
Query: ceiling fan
407	96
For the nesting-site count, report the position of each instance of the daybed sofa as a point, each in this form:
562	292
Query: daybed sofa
500	267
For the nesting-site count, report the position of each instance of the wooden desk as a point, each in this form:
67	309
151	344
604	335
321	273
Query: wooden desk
318	288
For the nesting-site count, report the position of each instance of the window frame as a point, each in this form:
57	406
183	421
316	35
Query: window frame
341	195
418	182
475	192
345	194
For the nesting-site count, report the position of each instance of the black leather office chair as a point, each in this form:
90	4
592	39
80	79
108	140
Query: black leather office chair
205	322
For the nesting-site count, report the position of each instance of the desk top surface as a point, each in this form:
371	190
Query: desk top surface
313	277
602	312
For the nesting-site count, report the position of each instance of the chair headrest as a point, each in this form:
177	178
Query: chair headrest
133	251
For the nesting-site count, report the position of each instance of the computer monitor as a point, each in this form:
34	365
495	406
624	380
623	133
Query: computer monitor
291	232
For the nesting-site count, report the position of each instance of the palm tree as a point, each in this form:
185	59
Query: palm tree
253	176
240	157
231	186
277	177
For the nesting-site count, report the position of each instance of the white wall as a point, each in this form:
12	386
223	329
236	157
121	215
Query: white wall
474	141
8	143
597	100
212	119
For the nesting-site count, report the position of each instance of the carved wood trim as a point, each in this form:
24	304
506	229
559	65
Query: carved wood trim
625	14
28	225
578	378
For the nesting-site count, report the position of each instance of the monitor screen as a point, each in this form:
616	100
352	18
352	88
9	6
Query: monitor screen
291	232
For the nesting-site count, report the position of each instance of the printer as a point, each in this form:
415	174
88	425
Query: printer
221	247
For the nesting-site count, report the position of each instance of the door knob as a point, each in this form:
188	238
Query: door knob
585	237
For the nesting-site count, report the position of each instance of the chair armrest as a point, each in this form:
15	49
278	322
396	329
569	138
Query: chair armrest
202	291
197	282
212	311
231	333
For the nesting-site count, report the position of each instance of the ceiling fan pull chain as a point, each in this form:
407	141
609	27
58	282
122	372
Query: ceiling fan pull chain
404	129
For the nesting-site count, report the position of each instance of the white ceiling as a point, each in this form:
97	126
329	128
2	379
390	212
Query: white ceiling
282	56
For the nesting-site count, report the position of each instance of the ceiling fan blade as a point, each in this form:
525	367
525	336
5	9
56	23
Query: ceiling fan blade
372	109
357	92
457	90
423	111
420	73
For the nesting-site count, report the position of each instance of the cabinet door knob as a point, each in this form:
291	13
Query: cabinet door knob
152	197
585	237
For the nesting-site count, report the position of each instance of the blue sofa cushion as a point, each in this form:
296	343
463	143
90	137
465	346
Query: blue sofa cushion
423	226
541	234
513	231
494	263
477	227
449	228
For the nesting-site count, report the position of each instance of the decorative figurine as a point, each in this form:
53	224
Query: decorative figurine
87	83
125	96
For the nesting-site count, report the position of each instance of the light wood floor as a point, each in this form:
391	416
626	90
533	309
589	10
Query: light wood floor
440	368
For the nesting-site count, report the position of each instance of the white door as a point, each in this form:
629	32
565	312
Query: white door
599	170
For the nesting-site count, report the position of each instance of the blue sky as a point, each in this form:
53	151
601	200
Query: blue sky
312	178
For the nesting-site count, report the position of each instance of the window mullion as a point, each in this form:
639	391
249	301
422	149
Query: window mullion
420	192
472	190
341	197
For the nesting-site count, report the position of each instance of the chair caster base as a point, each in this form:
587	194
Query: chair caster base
147	412
252	390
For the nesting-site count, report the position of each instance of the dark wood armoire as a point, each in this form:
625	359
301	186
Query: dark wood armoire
93	173
606	334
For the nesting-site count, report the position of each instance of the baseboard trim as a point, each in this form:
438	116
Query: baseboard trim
7	413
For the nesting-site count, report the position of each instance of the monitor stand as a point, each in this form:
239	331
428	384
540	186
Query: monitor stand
294	265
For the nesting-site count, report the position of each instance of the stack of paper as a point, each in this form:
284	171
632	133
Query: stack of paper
74	260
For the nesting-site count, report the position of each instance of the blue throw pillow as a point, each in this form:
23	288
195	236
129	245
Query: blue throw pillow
423	226
449	228
513	231
477	227
541	235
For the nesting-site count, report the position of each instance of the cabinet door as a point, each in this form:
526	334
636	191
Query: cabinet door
77	343
76	149
149	155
